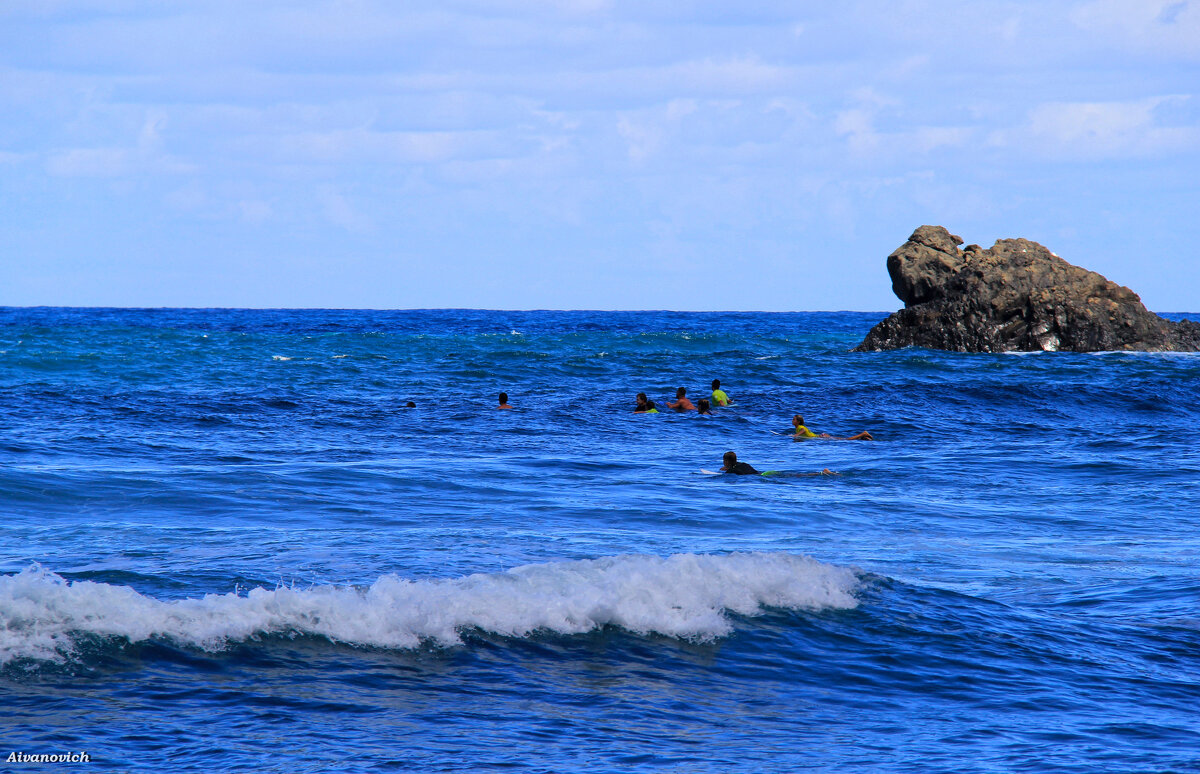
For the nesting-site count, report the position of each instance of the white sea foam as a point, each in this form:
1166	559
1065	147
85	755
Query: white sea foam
43	616
1140	354
280	357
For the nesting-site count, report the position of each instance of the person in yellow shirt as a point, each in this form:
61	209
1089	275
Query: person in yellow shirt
719	398
801	432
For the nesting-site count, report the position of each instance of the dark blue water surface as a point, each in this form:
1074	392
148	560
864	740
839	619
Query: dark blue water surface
227	545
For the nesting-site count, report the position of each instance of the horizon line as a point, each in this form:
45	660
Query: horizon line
432	309
467	309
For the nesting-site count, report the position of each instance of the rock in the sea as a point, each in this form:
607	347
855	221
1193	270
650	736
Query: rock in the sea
1015	296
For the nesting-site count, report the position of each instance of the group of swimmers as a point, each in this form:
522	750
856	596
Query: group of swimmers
719	397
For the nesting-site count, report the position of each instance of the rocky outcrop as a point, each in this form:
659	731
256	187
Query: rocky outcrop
1015	296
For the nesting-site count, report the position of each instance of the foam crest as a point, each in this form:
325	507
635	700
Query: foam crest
43	616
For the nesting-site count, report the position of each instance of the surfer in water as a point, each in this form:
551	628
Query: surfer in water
681	402
504	401
702	407
800	432
645	406
719	397
731	465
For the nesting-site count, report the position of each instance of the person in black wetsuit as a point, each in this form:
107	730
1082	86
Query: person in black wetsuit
737	468
746	469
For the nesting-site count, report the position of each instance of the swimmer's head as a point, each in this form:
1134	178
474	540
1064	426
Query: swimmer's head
797	420
716	384
680	392
503	398
410	404
641	397
730	458
703	405
650	405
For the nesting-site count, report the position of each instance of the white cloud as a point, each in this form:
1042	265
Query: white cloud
364	145
1163	27
741	75
191	199
930	138
1010	29
255	211
340	212
642	137
646	131
145	157
584	6
1101	130
89	162
473	117
857	126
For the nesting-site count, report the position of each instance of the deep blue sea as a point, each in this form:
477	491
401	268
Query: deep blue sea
227	545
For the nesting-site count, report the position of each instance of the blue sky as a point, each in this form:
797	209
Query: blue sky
594	154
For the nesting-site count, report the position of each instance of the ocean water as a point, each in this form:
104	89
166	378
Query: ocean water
226	545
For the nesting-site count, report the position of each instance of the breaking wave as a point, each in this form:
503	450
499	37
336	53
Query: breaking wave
44	616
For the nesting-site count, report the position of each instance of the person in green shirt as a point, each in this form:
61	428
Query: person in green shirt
719	398
801	432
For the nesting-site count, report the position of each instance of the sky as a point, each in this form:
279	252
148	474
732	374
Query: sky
584	154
